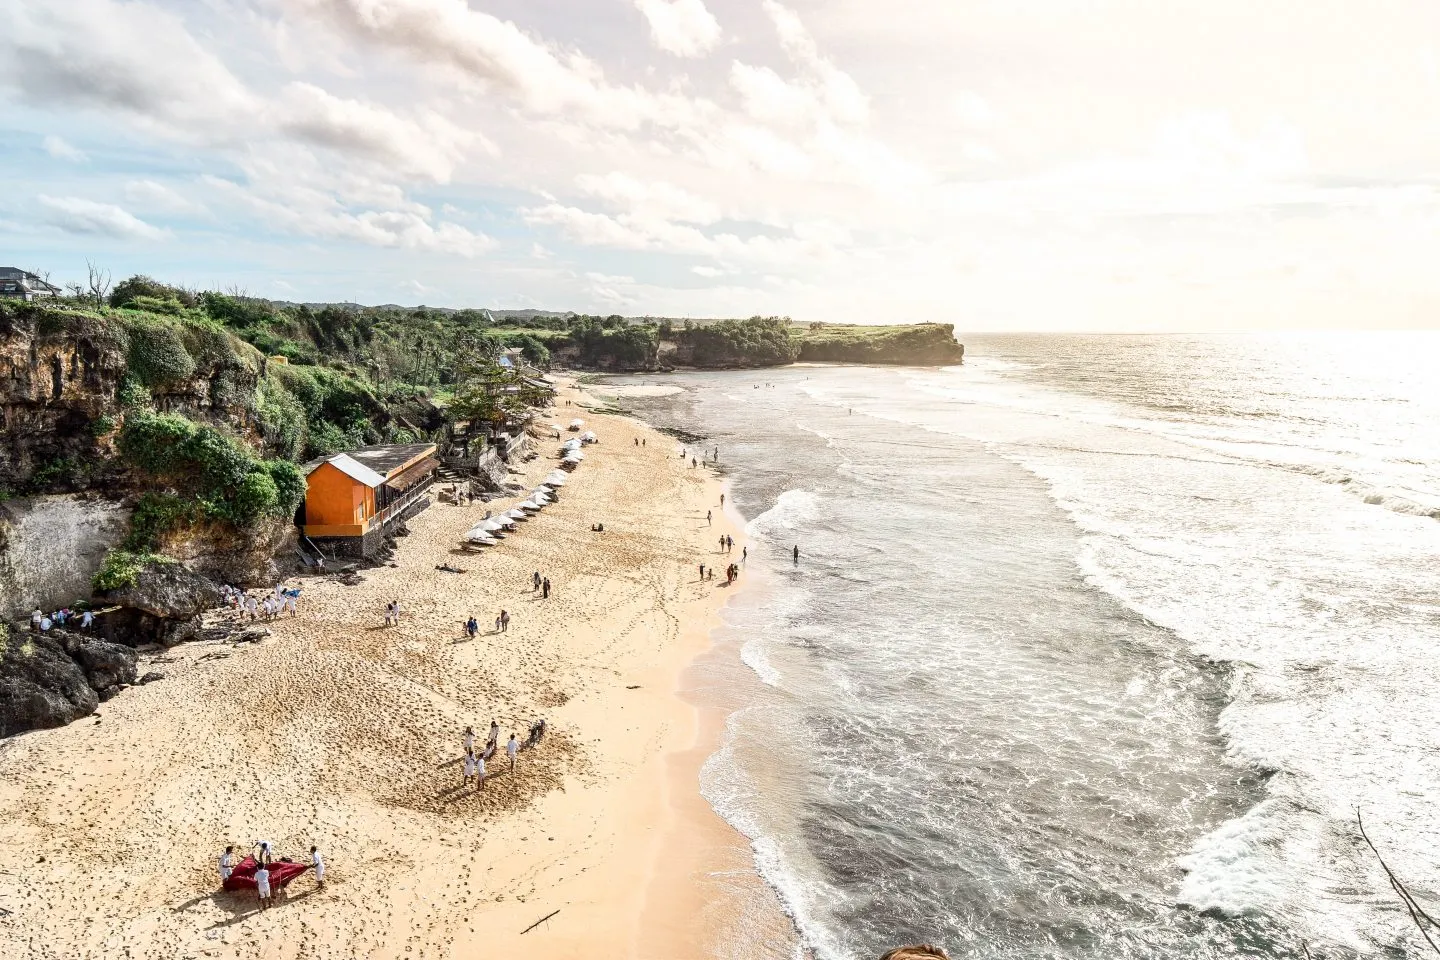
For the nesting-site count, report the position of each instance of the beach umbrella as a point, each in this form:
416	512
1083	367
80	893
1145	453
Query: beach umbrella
555	478
481	537
531	505
589	437
505	522
478	530
494	525
517	514
576	424
544	499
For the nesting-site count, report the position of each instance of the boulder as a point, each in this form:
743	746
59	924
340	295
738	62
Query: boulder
41	686
168	591
107	666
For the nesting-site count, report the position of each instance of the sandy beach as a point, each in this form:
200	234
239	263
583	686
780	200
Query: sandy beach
341	732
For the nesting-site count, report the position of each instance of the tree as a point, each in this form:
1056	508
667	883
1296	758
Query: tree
99	284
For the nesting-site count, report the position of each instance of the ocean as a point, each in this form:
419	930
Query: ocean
1095	646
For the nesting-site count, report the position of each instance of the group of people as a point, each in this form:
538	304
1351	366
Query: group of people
473	763
270	606
392	613
540	585
41	622
264	853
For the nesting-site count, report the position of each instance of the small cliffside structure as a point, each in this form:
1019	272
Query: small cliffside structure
353	499
24	285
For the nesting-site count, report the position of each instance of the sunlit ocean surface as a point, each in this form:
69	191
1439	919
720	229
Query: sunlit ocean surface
1096	644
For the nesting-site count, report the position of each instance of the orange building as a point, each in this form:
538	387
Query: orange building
352	499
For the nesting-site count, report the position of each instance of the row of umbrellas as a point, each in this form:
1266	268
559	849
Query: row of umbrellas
488	532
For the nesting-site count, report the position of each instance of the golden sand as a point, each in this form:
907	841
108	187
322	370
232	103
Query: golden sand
341	732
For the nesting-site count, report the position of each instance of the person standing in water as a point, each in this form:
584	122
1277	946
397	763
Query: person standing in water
797	553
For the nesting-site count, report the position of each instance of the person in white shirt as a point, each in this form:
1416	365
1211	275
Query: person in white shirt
480	773
511	749
86	619
470	760
45	624
262	885
264	855
227	863
494	734
319	865
35	619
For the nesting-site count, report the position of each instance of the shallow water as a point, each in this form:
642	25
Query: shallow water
1094	646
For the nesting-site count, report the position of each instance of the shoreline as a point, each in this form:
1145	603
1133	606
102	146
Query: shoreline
337	731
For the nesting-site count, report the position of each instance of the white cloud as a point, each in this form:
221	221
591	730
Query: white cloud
61	150
424	143
653	199
132	57
78	215
682	27
149	195
704	271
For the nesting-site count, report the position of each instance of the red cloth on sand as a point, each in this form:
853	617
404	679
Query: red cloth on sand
281	873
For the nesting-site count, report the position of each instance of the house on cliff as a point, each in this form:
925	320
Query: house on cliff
17	284
353	499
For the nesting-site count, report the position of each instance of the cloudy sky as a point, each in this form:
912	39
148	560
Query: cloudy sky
999	164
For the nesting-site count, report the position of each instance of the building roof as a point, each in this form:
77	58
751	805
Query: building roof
372	465
355	471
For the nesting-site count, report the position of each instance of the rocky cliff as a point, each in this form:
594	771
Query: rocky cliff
920	345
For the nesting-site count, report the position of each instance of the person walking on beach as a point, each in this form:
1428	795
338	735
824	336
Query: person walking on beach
535	581
319	863
744	554
468	769
504	621
729	543
227	864
262	885
494	737
693	464
722	501
511	749
480	773
472	627
469	739
702	571
545	589
707	518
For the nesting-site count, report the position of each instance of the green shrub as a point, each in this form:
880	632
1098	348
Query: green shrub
140	287
289	485
121	568
155	515
102	426
212	467
282	419
168	306
132	393
157	356
255	497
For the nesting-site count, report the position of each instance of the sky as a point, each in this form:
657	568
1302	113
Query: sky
1128	165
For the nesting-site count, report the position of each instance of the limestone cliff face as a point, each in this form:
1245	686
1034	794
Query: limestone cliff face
55	389
65	494
50	548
